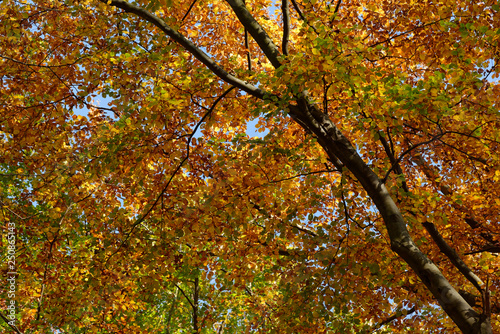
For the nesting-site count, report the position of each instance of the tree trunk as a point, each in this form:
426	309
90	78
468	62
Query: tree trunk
337	146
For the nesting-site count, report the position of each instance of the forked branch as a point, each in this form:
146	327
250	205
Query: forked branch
188	45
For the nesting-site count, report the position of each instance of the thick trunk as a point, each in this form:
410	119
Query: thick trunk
338	147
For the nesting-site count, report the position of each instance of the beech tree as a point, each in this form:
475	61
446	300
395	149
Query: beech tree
144	203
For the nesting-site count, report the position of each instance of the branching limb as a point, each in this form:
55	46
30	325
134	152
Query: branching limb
188	45
179	166
444	247
338	146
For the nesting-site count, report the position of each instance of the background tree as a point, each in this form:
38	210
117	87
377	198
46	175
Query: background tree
371	201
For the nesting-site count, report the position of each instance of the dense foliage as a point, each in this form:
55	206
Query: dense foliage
367	201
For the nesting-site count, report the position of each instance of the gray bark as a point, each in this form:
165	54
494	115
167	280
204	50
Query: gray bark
338	147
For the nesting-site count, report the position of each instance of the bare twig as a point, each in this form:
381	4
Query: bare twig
179	166
398	314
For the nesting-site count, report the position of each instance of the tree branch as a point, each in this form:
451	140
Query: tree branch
393	317
195	306
443	246
171	311
247	46
338	146
286	26
453	256
297	9
189	10
14	328
489	249
255	29
189	46
413	147
433	175
337	7
249	55
394	163
185	296
301	15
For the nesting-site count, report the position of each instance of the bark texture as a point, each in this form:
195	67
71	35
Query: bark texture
338	147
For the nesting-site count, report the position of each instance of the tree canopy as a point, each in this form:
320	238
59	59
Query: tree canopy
206	166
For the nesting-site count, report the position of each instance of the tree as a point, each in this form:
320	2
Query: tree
370	201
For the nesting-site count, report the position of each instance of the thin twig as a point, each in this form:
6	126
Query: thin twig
14	328
393	317
301	15
141	220
189	10
247	47
185	296
393	165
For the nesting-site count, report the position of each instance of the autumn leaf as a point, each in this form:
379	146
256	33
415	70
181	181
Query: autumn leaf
137	197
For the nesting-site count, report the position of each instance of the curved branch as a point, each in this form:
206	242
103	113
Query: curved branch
189	46
338	146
